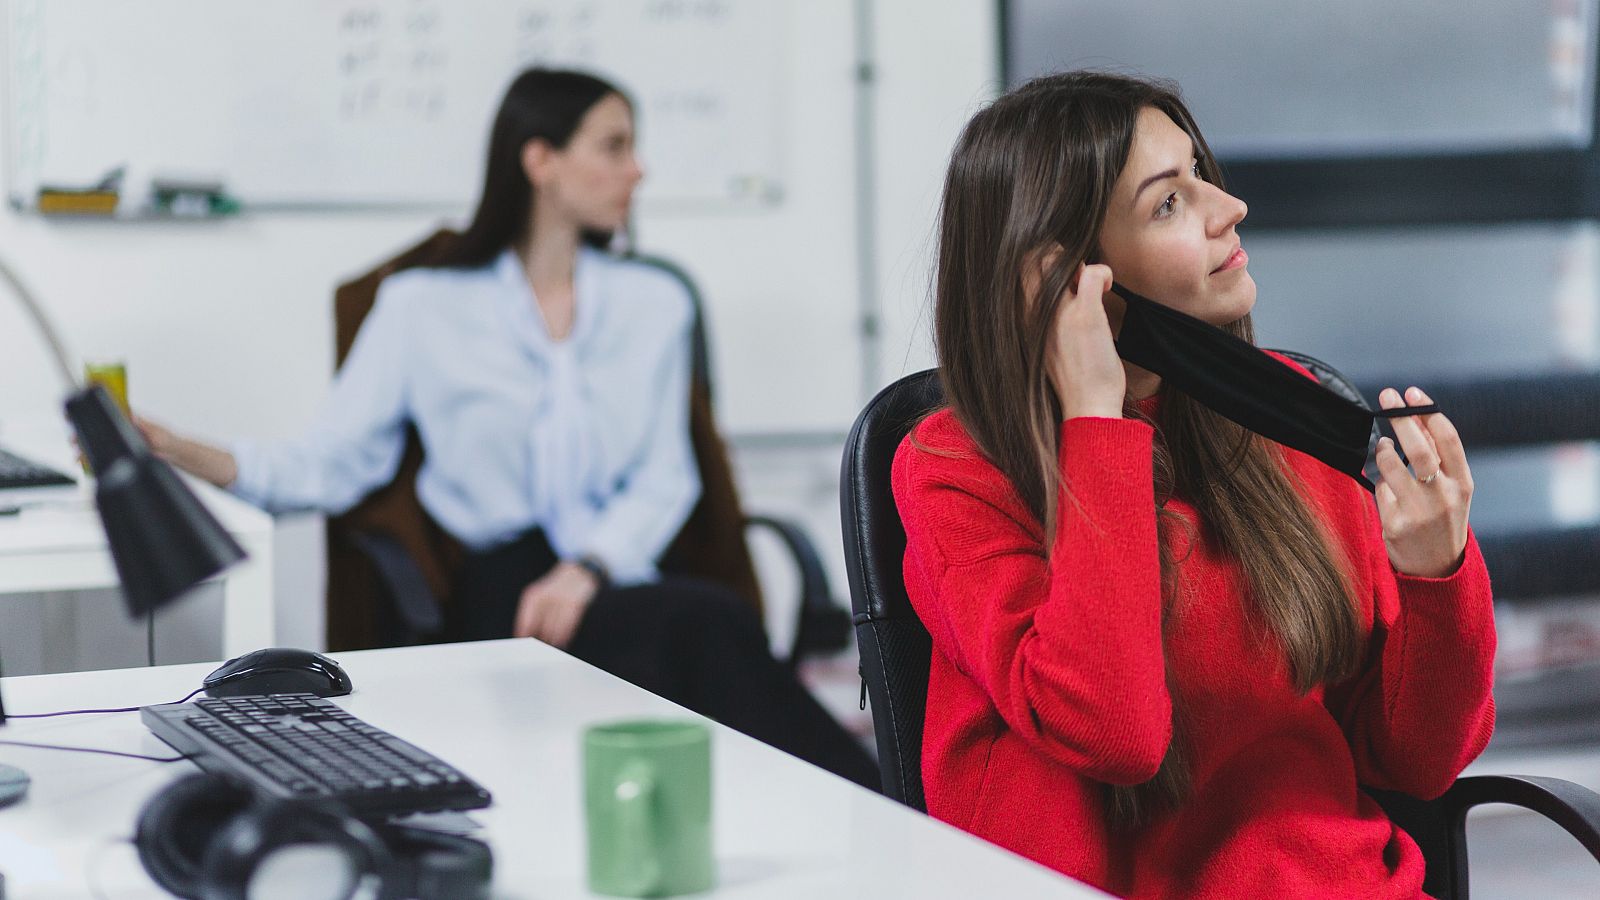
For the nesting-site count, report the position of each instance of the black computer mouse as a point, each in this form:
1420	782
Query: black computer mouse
278	670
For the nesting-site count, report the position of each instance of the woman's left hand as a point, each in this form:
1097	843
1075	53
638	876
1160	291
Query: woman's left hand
1424	515
552	607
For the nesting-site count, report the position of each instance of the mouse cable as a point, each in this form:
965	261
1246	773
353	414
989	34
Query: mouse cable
83	712
159	759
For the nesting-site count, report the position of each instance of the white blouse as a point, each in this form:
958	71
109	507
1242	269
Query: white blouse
587	438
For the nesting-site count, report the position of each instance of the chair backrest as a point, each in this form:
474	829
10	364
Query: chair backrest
711	543
895	647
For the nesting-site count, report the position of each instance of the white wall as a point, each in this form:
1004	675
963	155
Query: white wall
935	70
227	331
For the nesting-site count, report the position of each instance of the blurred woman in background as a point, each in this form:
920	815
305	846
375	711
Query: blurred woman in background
548	380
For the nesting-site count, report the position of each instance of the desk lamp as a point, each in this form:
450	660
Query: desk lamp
162	539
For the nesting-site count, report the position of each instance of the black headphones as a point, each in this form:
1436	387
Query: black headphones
209	836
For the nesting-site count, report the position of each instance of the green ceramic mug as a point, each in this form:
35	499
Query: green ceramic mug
647	792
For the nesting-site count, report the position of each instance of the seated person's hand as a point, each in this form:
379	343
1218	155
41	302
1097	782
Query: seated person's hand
213	464
552	607
160	439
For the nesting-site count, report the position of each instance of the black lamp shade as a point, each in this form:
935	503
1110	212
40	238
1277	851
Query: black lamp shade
162	539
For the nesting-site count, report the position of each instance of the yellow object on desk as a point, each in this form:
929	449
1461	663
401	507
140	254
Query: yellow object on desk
89	202
114	376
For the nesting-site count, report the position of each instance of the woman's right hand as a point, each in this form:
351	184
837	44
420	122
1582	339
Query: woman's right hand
552	608
160	438
204	461
1082	360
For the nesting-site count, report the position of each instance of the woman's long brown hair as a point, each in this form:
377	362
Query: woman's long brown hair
1037	168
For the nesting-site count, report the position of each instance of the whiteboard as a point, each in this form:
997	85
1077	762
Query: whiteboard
377	102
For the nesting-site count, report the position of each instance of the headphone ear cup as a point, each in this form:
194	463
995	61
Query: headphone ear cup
249	840
176	825
433	865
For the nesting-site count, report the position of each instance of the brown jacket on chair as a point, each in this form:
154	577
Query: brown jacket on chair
711	543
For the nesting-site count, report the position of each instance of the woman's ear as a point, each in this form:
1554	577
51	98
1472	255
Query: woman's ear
537	159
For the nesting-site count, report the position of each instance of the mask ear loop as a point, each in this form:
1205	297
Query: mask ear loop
1399	412
1402	412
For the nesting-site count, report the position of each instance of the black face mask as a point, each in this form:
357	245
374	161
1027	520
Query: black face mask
1248	386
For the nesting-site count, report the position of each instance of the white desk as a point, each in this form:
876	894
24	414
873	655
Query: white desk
509	714
59	544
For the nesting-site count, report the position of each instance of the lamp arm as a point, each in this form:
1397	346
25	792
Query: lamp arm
57	350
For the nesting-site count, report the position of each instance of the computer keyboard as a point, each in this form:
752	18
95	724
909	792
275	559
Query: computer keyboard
17	472
301	745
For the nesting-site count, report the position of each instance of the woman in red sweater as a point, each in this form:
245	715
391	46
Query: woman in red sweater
1167	653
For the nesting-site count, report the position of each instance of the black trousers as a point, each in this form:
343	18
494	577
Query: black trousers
691	641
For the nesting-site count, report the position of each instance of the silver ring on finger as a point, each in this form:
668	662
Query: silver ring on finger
1430	478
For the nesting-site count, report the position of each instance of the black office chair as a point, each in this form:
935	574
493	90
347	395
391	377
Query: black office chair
895	650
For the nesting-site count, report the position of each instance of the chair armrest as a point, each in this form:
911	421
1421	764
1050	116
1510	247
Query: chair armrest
1572	806
414	601
824	625
1440	826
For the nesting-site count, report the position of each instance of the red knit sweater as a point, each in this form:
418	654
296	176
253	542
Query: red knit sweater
1048	680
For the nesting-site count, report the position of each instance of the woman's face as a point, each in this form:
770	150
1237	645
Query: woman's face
591	180
1169	235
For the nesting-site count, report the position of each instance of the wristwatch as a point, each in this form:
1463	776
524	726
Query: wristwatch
592	564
